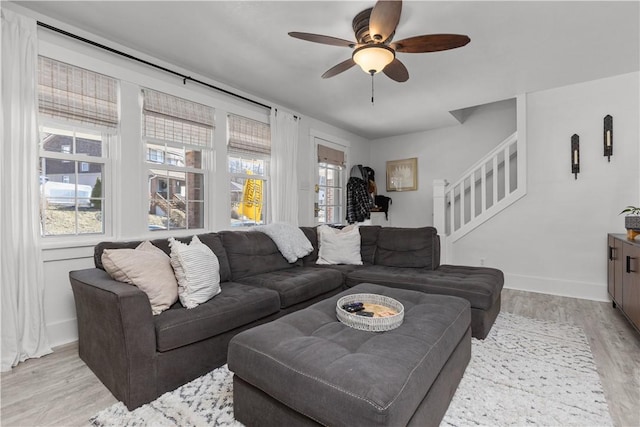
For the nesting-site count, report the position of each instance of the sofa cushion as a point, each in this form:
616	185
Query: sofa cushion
343	268
100	247
339	246
328	371
212	240
312	235
251	253
368	242
290	240
298	284
197	271
235	306
146	267
481	286
368	239
406	247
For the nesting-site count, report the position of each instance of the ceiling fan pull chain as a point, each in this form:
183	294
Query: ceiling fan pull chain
372	88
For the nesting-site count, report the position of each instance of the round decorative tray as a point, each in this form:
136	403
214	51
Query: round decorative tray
388	313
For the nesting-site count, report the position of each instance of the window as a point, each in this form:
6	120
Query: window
330	182
79	115
249	149
178	137
71	184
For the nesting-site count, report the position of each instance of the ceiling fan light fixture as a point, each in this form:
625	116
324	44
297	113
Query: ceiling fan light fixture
373	58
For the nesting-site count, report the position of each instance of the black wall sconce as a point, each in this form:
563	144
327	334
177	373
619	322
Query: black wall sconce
575	155
608	136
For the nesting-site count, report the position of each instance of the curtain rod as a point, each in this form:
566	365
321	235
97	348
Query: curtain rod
151	64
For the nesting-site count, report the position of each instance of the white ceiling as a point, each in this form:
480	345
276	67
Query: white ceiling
516	47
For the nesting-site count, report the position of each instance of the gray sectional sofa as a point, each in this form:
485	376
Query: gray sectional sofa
139	356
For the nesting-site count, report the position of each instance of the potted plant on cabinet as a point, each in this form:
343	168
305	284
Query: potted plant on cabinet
632	221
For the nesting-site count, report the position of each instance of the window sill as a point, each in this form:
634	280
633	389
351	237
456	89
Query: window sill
69	242
52	243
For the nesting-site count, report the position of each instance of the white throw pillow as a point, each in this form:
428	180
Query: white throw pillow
146	267
197	271
339	246
290	240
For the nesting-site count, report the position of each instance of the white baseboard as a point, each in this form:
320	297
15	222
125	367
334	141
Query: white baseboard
62	332
560	287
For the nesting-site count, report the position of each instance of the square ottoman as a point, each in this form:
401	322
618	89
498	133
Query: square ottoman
307	368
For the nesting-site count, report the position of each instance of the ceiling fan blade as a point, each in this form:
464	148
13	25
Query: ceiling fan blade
337	69
384	19
430	43
317	38
396	71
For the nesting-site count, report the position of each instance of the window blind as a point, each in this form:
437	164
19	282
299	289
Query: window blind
170	118
248	136
330	155
73	93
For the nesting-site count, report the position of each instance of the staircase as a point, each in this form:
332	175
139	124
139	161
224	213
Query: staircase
488	187
174	208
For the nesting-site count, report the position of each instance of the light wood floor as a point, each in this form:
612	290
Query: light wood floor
59	389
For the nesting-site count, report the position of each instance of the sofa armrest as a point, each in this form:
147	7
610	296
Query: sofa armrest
116	335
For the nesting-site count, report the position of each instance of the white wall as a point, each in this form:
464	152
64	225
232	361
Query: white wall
554	239
442	154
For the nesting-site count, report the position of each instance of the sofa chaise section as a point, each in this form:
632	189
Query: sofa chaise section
409	258
478	285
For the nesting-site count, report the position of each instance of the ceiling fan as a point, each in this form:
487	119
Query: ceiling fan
374	50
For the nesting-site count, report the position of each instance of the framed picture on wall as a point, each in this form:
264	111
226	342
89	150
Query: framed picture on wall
402	175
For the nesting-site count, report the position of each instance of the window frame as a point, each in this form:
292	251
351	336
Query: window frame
169	167
107	126
340	169
107	137
169	164
246	154
333	144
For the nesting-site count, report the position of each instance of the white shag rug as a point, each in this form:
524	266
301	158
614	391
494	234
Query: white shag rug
525	372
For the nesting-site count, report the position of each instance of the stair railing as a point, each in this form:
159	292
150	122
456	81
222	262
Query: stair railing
488	187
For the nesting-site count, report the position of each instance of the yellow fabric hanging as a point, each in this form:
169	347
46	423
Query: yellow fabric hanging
251	206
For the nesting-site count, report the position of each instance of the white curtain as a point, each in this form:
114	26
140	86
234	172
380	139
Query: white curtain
284	167
23	329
